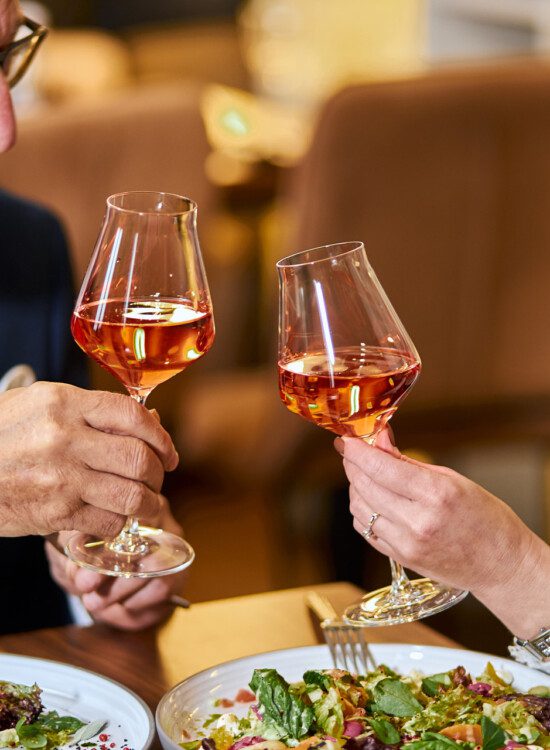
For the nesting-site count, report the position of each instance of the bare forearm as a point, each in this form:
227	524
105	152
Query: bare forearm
521	599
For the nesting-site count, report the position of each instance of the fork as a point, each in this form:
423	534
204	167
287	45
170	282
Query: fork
348	646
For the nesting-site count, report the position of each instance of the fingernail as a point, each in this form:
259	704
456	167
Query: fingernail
339	445
154	413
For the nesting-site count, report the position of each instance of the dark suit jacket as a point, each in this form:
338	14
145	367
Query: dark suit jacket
36	301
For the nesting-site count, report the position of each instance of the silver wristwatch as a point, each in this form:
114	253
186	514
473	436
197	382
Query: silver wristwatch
534	653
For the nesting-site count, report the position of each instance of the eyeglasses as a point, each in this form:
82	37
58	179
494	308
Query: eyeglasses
16	57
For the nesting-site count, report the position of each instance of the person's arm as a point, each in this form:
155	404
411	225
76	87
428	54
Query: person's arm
444	526
523	602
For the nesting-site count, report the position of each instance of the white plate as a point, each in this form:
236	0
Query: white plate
184	708
86	695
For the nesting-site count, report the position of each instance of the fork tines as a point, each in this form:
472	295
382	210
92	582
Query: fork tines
348	647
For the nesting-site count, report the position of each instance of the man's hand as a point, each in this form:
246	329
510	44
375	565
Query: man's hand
125	603
72	459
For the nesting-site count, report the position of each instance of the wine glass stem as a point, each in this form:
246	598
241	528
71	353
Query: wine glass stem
131	529
130	541
400	584
401	587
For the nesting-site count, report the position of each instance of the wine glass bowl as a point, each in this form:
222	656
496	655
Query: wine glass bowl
345	363
144	314
345	360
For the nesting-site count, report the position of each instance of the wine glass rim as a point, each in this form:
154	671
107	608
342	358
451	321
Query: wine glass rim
293	261
160	193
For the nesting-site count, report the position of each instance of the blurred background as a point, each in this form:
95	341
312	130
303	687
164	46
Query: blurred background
421	127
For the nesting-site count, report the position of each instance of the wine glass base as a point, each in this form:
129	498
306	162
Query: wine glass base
160	554
382	607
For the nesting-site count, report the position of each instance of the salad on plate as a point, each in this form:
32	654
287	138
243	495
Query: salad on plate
332	709
24	722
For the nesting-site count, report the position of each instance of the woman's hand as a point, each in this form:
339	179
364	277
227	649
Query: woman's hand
446	527
125	603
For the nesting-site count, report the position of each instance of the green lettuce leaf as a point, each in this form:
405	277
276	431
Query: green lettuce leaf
394	698
457	706
515	720
288	714
385	731
30	735
56	723
433	741
494	736
329	715
318	679
431	685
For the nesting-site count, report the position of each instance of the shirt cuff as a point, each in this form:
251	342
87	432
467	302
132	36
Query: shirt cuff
79	613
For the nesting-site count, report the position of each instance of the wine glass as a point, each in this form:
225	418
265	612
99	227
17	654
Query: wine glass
345	364
144	314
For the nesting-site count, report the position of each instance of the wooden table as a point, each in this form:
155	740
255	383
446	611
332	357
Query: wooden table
151	662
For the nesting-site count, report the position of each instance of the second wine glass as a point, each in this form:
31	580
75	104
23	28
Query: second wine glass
144	314
345	364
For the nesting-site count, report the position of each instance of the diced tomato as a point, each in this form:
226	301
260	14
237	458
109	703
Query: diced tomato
245	696
224	703
464	733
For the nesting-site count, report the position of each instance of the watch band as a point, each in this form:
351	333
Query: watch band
535	652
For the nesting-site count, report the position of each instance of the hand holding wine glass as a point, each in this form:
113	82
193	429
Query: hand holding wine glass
68	460
345	364
127	603
507	567
143	313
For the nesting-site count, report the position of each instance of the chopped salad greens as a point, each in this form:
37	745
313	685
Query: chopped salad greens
382	710
25	723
